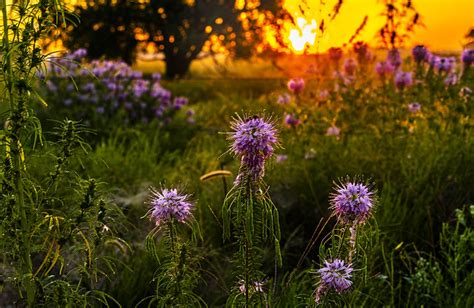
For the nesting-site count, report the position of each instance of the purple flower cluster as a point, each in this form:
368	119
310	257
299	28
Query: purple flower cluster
116	92
350	66
291	120
383	69
403	79
443	64
352	202
420	54
336	275
394	58
467	57
169	204
253	140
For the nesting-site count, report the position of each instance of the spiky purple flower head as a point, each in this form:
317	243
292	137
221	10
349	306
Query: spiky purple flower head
169	204
352	202
394	58
467	57
445	64
253	140
403	79
336	275
296	85
383	68
420	53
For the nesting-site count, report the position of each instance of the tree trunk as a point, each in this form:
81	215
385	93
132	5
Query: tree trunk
177	66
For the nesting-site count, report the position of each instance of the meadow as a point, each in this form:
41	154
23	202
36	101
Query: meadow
345	179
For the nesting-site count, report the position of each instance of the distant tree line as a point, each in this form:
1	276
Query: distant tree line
178	28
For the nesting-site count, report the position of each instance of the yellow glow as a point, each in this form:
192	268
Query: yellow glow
303	36
446	23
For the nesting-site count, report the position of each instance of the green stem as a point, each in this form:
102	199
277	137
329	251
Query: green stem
17	166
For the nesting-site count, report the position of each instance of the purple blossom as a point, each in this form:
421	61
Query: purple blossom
323	95
156	76
352	202
281	158
414	107
284	99
403	79
296	85
100	110
420	53
467	57
253	140
336	275
394	58
67	102
169	204
383	69
140	87
180	102
333	131
451	79
350	66
291	120
445	64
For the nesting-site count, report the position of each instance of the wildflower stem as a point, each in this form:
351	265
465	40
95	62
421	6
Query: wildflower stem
16	151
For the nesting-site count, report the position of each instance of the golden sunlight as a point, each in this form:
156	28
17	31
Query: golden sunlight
303	35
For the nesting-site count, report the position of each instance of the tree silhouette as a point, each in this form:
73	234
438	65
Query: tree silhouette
178	28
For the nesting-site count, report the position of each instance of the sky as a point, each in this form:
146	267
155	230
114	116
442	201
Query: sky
447	22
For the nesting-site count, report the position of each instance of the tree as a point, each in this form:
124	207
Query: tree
178	28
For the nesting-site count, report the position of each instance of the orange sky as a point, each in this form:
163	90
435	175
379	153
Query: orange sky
447	22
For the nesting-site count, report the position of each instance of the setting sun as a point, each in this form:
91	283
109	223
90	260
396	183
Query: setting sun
303	36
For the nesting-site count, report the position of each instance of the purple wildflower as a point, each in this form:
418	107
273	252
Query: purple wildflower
352	202
445	64
467	57
140	87
323	95
350	66
414	107
180	102
403	79
394	58
333	131
156	76
169	204
335	54
253	140
281	158
451	79
383	69
296	85
336	275
420	53
100	109
284	99
291	120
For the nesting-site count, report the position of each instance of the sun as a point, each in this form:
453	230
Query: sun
302	35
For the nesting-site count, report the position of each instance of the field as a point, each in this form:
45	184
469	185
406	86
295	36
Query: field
414	249
294	178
